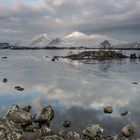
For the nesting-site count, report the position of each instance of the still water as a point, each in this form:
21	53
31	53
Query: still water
77	91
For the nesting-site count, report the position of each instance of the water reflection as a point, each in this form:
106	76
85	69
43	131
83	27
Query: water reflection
77	91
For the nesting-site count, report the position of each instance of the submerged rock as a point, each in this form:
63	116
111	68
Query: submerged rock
19	88
66	123
69	135
124	113
9	131
18	116
94	132
45	115
128	131
108	109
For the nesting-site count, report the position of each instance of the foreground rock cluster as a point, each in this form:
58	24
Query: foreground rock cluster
18	124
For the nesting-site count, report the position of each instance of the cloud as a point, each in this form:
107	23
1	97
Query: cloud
26	18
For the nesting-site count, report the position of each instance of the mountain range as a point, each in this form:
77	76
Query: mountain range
75	39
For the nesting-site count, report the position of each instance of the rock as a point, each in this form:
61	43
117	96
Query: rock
69	135
4	57
15	115
46	131
19	88
56	57
135	83
27	108
116	137
133	56
54	137
53	59
45	115
5	80
94	132
8	131
124	113
108	109
66	123
96	55
33	128
128	131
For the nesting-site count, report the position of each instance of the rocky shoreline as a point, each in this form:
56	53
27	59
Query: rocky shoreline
18	124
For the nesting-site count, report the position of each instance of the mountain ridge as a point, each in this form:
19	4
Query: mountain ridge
75	39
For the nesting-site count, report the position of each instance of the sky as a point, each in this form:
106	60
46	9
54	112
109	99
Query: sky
118	19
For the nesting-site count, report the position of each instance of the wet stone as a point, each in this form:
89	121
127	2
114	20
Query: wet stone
27	108
46	131
4	57
135	83
9	131
53	59
45	115
94	132
5	80
108	109
133	56
124	113
18	116
19	88
66	123
69	135
128	131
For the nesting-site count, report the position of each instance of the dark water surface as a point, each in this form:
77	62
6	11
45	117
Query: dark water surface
77	91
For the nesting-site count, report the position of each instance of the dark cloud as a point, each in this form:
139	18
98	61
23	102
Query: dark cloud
22	18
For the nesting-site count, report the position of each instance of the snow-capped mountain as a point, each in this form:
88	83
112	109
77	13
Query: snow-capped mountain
78	39
75	39
37	41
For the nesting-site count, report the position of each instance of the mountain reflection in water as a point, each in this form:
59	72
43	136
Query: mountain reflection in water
77	91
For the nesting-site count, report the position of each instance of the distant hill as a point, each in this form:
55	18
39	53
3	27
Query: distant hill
73	40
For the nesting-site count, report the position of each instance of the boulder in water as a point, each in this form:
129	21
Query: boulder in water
93	131
18	116
45	115
66	123
19	88
128	131
108	109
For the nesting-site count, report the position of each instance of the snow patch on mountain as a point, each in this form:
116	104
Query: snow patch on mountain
75	39
37	41
76	35
78	39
